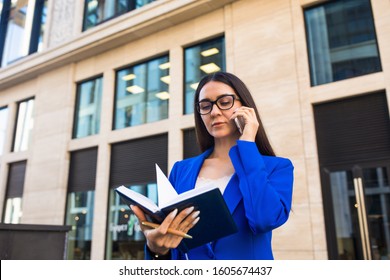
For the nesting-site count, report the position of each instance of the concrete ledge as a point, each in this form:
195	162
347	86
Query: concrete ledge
126	28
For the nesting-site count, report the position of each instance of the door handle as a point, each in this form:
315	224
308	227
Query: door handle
363	224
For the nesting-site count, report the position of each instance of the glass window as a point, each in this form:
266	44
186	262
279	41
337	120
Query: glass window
13	210
16	43
1	8
142	93
24	28
80	202
4	15
98	11
200	60
3	127
80	217
24	125
39	25
13	198
132	164
125	238
341	41
88	106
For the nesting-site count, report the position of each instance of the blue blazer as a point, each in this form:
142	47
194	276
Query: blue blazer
258	195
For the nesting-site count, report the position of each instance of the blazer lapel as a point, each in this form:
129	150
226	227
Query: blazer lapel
232	194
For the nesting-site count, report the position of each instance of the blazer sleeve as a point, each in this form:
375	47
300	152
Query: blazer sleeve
266	184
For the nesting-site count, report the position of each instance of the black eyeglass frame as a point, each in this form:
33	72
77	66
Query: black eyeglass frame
215	102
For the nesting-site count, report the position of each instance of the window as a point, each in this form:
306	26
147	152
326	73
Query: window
98	11
200	60
80	203
142	93
87	110
22	29
341	41
13	199
79	214
126	240
24	125
3	127
133	165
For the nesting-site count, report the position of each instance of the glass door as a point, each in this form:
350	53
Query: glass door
358	218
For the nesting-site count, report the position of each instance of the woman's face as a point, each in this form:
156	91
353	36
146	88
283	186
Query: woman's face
218	122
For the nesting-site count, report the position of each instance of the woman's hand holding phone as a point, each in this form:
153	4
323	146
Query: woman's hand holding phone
246	122
240	124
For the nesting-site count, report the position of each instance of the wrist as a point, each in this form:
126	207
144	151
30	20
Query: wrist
160	255
156	249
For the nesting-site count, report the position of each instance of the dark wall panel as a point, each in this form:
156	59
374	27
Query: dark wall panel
133	162
82	170
16	175
190	146
353	129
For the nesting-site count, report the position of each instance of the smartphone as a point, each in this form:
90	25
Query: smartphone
240	124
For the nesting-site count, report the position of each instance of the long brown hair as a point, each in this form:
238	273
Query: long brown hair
205	140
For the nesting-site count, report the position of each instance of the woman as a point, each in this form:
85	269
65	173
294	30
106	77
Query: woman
257	185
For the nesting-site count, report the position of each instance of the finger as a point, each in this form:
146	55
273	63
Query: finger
181	216
191	225
240	111
138	213
140	216
189	222
175	241
183	222
246	113
167	222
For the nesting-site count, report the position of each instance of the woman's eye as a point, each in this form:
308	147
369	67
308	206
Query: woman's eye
225	103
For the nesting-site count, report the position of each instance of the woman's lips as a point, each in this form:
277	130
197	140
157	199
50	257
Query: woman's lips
217	124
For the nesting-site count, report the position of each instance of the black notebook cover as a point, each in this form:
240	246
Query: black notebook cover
215	219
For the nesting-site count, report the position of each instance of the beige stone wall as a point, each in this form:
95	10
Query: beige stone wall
265	46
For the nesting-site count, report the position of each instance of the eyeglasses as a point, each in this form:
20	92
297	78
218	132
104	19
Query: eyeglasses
224	102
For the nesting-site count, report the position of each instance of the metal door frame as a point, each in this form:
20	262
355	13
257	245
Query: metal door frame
330	229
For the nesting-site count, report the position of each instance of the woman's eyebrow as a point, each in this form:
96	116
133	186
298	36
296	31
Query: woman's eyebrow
223	94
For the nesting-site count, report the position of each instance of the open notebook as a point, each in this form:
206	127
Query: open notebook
215	221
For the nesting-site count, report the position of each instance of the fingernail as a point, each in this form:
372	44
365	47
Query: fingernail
174	212
196	220
189	210
131	207
195	214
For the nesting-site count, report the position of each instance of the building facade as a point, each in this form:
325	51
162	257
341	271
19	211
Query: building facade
93	93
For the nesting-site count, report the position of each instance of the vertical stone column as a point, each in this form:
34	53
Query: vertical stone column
62	22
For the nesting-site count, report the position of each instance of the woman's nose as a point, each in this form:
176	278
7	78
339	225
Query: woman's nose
215	110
